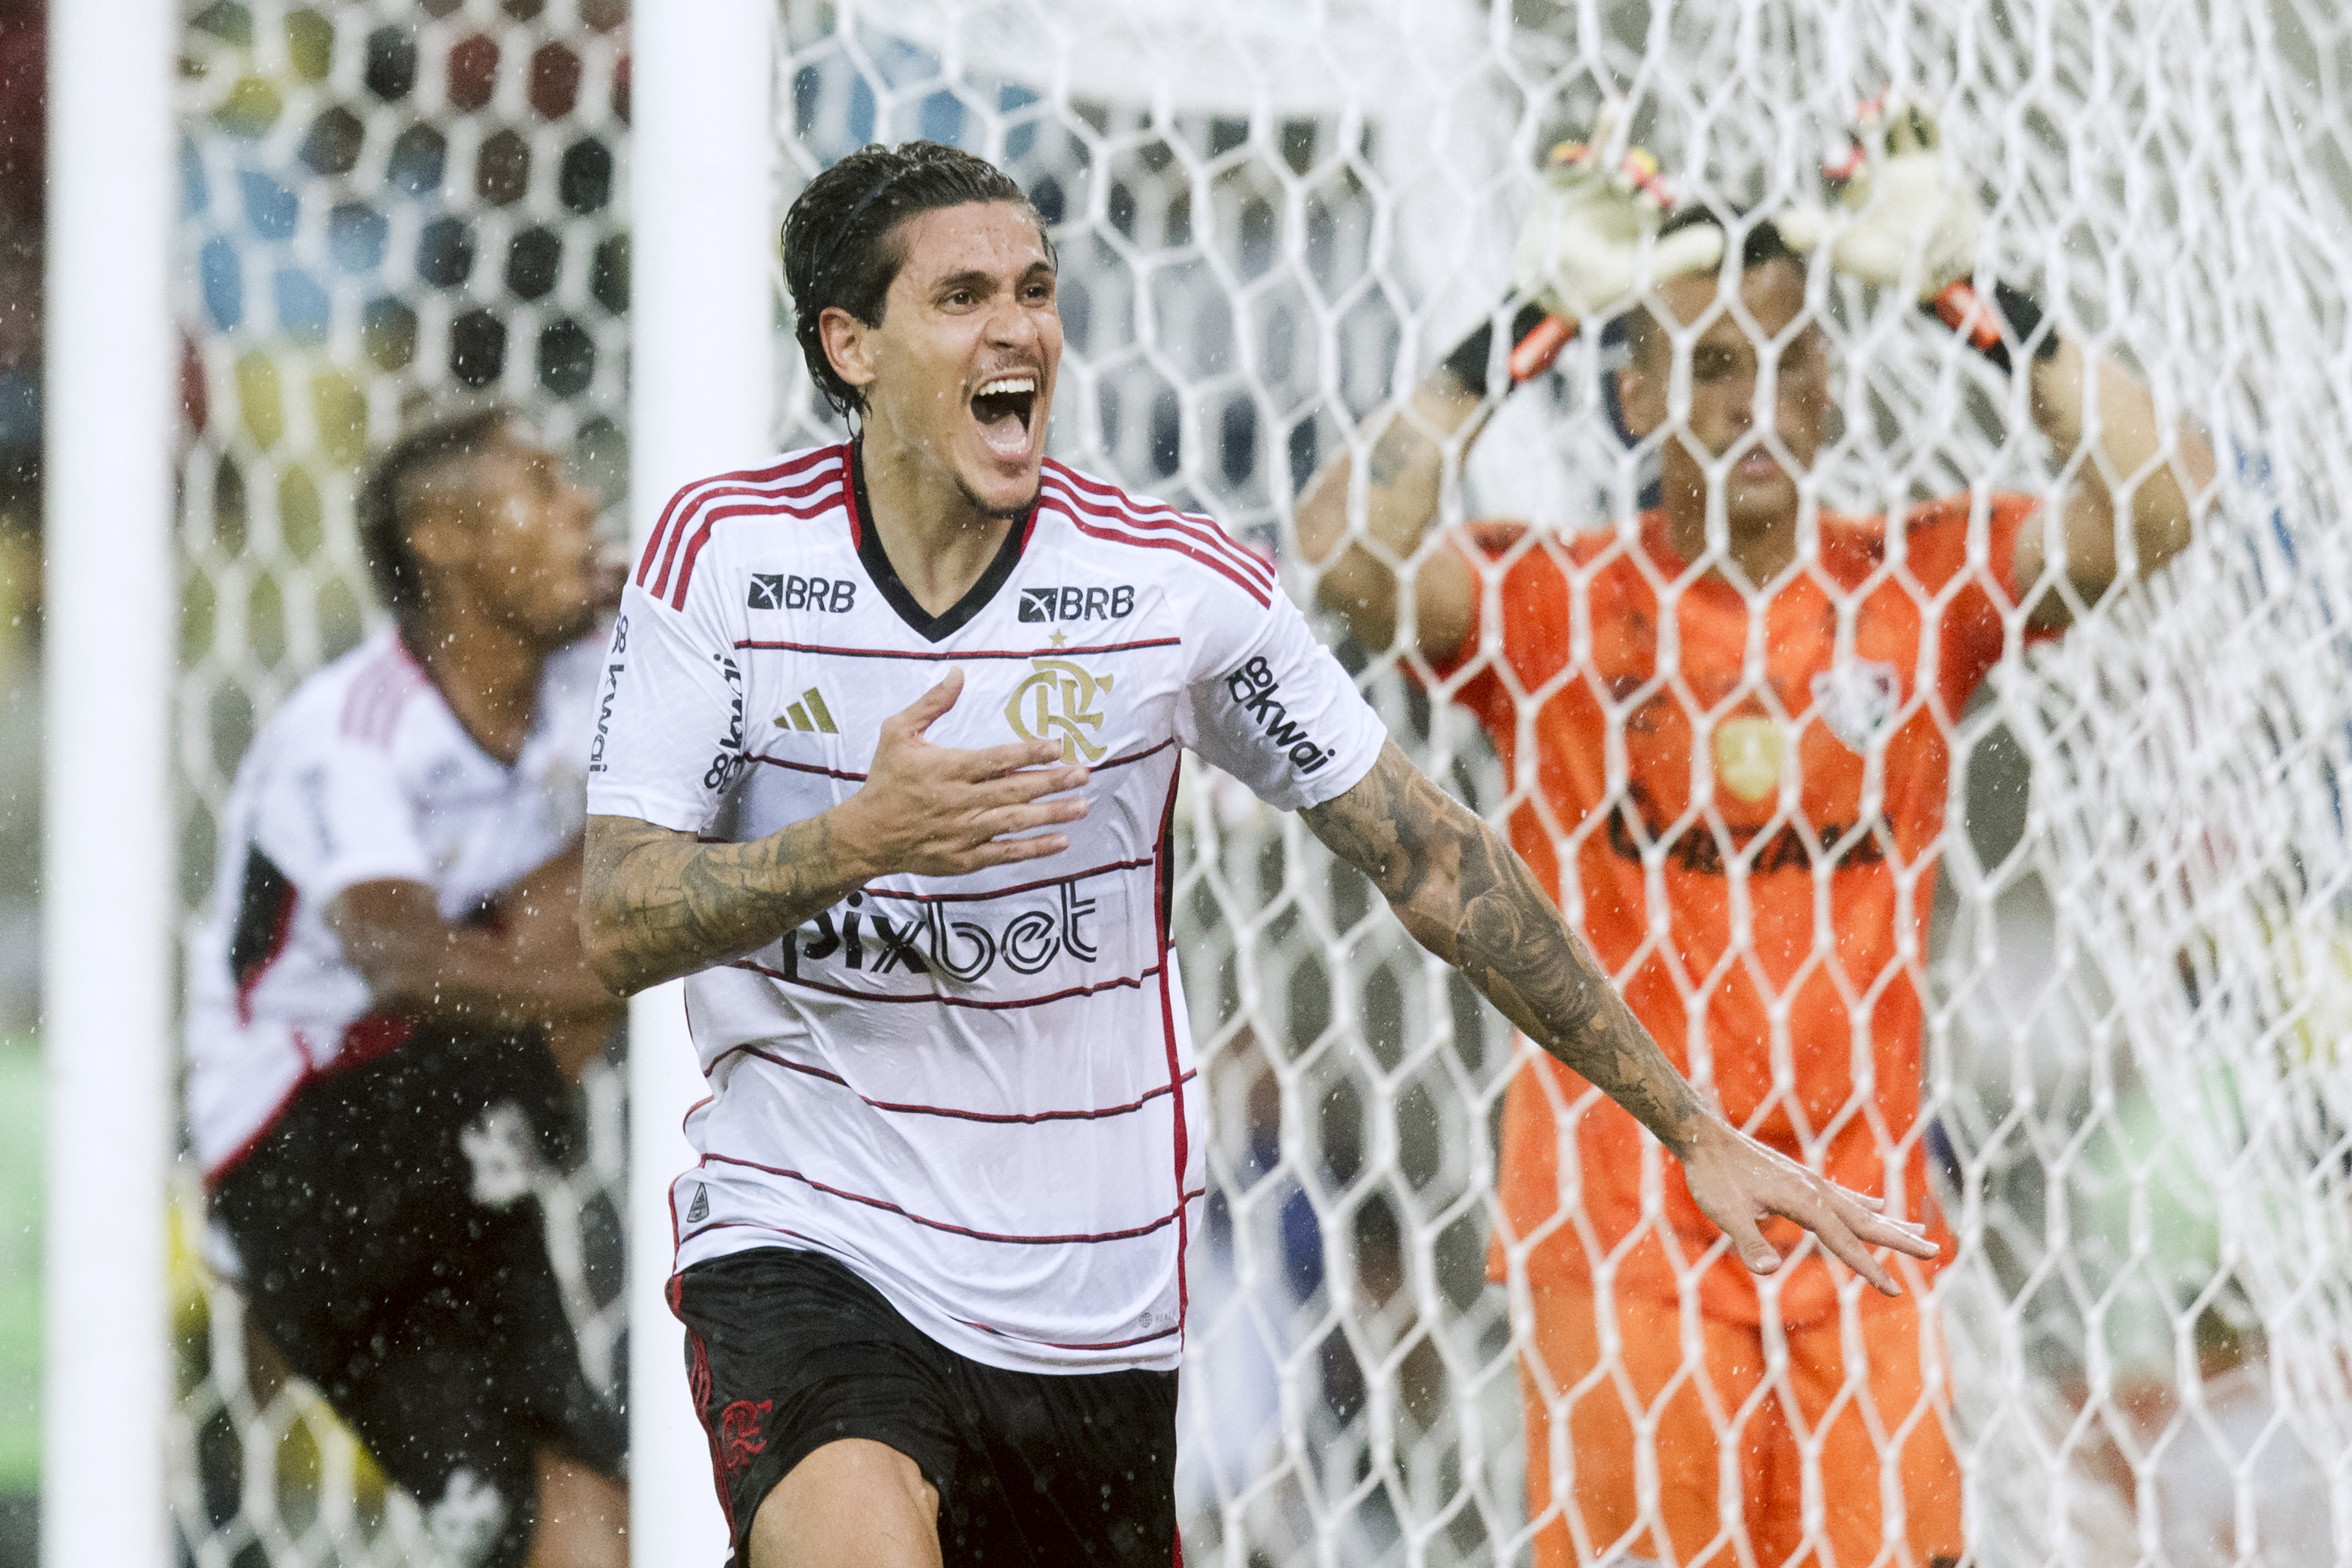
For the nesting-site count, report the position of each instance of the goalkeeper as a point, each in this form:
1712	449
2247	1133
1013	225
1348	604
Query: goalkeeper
1772	767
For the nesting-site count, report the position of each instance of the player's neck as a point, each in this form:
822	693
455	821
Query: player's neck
937	537
1761	552
488	671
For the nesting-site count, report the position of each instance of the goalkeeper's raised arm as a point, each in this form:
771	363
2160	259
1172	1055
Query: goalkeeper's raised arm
1601	243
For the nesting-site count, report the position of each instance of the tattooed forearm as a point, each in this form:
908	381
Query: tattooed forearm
1467	898
655	903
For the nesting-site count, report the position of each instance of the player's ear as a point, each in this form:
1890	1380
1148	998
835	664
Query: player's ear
442	536
848	345
1642	396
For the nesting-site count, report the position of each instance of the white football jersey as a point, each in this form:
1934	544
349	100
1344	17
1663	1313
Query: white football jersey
364	774
977	1092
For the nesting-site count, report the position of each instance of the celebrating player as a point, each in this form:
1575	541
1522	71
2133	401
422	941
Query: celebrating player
886	760
389	992
1763	783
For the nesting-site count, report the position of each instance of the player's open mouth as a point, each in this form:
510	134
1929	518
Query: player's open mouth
1004	406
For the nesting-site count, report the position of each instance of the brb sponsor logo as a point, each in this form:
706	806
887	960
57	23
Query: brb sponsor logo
964	942
1255	689
780	591
1056	702
1042	604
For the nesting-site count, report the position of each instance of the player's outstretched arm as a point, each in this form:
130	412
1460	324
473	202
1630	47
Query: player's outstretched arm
1403	477
1466	897
656	904
2166	473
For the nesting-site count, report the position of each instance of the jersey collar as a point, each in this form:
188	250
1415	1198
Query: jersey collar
876	560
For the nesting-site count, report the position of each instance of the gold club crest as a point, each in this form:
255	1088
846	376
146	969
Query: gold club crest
1747	753
1056	702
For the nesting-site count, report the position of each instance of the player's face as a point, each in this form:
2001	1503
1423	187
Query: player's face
525	541
1735	410
964	359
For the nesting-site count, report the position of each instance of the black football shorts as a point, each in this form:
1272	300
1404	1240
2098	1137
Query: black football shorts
392	1251
788	1350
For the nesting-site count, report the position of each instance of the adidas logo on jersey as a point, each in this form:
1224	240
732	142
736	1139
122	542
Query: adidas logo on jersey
809	714
699	1210
1077	603
780	591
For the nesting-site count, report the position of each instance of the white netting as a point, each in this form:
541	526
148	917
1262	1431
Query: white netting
1272	218
384	203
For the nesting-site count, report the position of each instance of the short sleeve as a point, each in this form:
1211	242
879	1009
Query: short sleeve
1972	627
336	816
1519	618
1282	714
668	738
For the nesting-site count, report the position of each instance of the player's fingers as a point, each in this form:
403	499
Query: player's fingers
1831	1229
1006	819
1019	786
919	715
998	761
1902	1236
1011	852
1749	1243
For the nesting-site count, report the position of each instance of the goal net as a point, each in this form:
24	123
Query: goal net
1274	218
386	205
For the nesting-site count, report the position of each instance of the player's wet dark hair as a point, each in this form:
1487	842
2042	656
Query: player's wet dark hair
839	250
387	501
1762	245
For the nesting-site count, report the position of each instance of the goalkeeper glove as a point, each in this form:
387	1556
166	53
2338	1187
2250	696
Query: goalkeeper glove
1588	248
1908	209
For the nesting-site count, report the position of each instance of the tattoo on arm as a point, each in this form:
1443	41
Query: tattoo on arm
1466	897
656	904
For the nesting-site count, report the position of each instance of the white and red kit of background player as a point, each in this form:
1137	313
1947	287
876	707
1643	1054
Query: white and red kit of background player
364	774
976	1091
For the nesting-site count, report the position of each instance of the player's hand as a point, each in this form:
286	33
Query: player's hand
1591	244
1736	1180
939	811
1906	205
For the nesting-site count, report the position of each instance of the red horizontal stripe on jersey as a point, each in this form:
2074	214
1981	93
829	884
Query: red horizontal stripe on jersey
1103	531
1004	1118
1129	982
1008	891
829	652
886	1207
823	504
800	768
1096	496
682	505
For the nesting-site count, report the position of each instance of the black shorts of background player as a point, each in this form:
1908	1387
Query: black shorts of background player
390	1247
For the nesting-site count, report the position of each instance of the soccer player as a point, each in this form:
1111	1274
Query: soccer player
389	993
1737	735
886	760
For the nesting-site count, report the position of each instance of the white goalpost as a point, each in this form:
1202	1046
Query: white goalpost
1274	217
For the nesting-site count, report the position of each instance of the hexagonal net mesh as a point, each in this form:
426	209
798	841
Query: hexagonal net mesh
386	207
1274	219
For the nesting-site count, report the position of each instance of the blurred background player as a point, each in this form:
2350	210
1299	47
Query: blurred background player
1786	810
389	996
